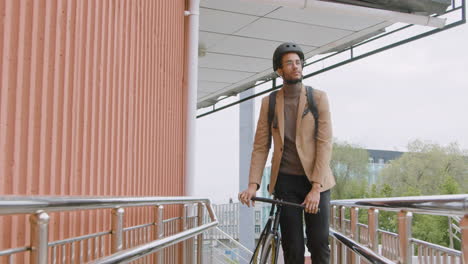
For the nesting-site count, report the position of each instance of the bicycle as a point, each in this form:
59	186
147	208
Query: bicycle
268	244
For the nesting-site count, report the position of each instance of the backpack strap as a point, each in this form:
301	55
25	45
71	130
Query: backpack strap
271	114
312	107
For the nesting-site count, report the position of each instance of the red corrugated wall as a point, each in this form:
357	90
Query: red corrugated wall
91	103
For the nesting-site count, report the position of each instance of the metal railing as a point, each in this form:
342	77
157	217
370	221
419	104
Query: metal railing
126	244
388	247
454	230
228	218
220	247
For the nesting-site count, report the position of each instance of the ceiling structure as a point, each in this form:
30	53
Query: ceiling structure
237	37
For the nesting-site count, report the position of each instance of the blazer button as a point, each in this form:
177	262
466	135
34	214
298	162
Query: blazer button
281	149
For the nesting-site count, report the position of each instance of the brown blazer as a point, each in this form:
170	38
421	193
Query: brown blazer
314	155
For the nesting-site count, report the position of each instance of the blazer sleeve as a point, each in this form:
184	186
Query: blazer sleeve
260	146
324	141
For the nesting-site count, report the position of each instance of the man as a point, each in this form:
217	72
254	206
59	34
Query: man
300	170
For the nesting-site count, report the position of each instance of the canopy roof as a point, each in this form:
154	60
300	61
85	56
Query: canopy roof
237	38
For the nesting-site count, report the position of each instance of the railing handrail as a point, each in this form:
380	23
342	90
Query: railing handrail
361	250
32	204
154	246
10	251
454	204
39	206
437	247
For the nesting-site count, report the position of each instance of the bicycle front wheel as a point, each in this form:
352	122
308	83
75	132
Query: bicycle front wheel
269	253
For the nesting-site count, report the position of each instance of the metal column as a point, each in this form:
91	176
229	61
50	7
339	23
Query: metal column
404	236
39	237
246	135
117	230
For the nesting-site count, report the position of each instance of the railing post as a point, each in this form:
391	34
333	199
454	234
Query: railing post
342	248
159	230
354	232
333	216
117	229
333	240
39	237
404	236
373	220
450	231
200	237
184	227
339	246
464	238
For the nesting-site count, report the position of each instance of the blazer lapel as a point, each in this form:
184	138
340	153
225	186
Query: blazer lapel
280	112
300	110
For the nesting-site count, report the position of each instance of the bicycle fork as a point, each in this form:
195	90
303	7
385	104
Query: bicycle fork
271	243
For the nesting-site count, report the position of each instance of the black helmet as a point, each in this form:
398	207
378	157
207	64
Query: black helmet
284	48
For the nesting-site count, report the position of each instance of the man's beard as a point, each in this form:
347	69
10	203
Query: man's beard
292	81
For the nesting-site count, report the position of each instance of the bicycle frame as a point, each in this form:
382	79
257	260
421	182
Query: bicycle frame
270	234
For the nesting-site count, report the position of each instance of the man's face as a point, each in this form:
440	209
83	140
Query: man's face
291	68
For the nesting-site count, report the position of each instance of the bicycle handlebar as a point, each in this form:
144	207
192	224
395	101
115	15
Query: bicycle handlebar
276	201
279	202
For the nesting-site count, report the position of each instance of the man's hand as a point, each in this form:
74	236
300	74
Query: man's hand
312	199
246	195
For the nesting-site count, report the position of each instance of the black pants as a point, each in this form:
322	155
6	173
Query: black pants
294	188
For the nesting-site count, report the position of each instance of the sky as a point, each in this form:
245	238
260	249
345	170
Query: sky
415	91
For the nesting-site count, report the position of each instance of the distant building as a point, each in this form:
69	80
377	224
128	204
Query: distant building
378	159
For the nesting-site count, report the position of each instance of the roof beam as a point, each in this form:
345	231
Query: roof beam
338	8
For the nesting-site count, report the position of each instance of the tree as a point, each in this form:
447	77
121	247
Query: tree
427	168
349	164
